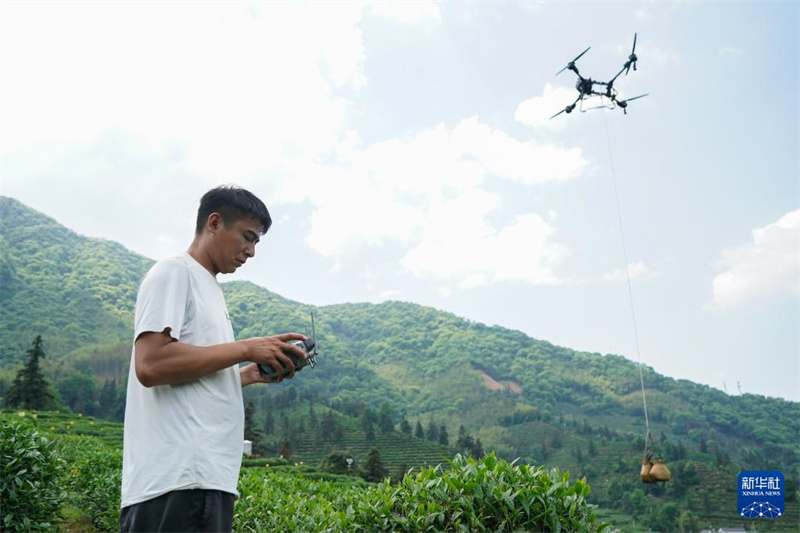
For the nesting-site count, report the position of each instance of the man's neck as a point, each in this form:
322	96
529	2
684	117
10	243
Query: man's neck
199	253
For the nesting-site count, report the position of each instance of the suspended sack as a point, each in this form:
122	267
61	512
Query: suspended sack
659	472
647	466
653	471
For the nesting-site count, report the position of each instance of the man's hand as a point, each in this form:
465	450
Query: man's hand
271	351
251	374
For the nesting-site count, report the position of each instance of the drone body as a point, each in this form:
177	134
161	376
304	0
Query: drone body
586	86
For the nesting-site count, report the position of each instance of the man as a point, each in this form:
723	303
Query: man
184	418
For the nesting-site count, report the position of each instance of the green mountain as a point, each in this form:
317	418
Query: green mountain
519	396
71	290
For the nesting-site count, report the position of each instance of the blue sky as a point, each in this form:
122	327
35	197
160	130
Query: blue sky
405	152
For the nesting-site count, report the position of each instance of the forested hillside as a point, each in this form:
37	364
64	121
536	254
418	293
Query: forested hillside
419	368
71	290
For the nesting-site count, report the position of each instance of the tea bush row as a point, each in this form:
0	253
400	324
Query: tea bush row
92	478
486	495
40	477
29	479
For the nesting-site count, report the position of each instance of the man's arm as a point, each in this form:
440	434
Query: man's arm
161	360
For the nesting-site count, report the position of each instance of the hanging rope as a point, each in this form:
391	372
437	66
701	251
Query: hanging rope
647	439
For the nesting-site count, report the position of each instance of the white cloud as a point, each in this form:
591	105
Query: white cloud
461	248
767	267
526	162
238	86
140	104
176	97
536	111
430	195
637	270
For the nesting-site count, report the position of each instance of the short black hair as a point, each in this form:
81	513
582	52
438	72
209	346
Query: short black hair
233	204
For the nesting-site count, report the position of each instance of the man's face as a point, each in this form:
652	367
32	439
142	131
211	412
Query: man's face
235	243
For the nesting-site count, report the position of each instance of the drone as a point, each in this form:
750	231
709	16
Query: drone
588	87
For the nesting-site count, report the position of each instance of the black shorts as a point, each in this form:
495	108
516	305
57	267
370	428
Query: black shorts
180	510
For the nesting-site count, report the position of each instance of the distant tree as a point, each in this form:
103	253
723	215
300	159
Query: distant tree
444	438
664	517
367	424
79	391
401	472
119	407
338	431
433	432
418	432
313	423
592	448
369	433
688	522
722	457
285	427
790	489
328	425
636	503
385	418
269	423
465	444
373	469
368	416
108	398
335	462
251	432
385	422
615	491
286	449
544	450
330	430
477	449
405	427
30	389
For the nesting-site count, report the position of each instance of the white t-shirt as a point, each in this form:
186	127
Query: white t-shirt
186	436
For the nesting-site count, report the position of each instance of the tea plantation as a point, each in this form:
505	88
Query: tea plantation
61	472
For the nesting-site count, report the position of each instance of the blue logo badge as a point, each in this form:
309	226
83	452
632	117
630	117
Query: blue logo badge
760	494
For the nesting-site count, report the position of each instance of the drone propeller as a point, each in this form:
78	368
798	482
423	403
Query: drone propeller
567	109
631	58
624	103
634	98
571	64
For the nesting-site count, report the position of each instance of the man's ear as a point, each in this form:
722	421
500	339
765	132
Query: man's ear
214	222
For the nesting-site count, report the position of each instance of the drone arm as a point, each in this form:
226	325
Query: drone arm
625	66
569	108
